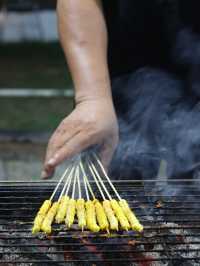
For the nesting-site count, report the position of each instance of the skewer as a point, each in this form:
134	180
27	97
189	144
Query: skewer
97	182
74	185
66	184
100	179
57	186
79	186
106	176
86	180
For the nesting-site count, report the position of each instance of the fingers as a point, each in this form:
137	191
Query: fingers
106	152
75	145
66	130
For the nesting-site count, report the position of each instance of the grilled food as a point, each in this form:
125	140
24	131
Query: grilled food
40	216
60	216
80	210
101	216
135	224
110	215
120	215
91	217
71	211
48	220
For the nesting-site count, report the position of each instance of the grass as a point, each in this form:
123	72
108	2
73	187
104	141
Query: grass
33	114
33	65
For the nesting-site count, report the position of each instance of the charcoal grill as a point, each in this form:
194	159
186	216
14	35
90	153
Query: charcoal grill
169	211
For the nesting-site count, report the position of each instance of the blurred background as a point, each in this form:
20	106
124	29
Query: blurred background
35	85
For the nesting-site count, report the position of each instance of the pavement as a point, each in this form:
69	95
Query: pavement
22	161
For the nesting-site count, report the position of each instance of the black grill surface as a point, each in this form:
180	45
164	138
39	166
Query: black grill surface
169	211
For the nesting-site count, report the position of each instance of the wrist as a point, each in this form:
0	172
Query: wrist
93	96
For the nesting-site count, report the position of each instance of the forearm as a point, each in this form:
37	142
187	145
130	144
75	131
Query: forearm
83	36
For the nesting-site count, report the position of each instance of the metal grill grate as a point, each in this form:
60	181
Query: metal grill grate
169	211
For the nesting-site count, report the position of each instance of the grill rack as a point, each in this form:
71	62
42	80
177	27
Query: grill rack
171	222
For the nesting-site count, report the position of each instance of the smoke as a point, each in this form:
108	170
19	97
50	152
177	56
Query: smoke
158	120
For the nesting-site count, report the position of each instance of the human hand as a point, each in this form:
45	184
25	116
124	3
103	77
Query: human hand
92	122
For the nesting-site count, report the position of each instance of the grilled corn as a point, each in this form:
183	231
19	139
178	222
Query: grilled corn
40	216
80	210
48	220
135	224
71	211
110	215
101	216
120	215
91	217
60	216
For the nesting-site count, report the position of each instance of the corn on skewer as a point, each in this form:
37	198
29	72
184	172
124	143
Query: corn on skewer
45	207
120	215
90	205
80	206
135	224
46	225
100	212
106	204
71	208
40	216
110	215
60	216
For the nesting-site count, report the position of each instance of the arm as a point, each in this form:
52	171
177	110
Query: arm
83	36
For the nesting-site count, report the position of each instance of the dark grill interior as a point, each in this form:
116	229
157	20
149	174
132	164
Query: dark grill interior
169	210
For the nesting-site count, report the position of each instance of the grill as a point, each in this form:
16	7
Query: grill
169	211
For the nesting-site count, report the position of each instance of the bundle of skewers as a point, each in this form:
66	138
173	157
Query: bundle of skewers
106	214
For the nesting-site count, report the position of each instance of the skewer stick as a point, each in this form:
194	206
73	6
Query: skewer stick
57	186
86	180
106	176
66	183
100	179
74	185
79	186
68	186
96	181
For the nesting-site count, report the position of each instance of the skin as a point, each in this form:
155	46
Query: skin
83	36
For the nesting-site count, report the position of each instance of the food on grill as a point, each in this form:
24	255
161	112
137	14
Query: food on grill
80	210
101	216
91	217
120	215
110	215
60	216
40	216
70	214
135	224
48	220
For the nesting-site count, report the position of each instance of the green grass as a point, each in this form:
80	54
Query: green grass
33	114
33	65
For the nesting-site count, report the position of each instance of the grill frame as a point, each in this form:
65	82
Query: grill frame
155	245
